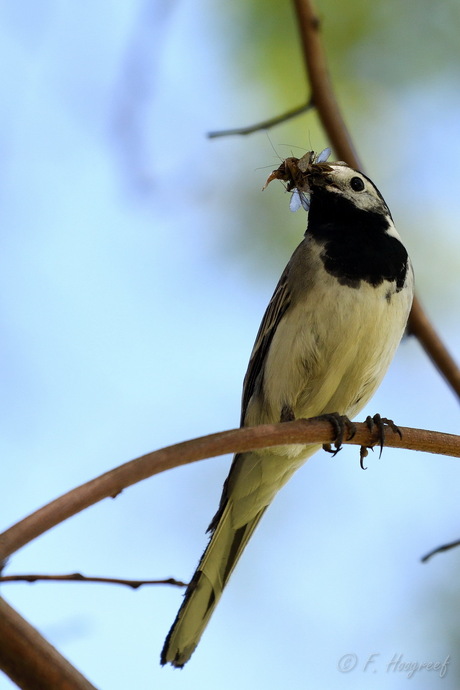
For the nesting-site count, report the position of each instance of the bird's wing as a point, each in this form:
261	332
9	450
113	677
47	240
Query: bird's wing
276	309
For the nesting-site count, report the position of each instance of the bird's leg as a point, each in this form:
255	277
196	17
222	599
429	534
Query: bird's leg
287	414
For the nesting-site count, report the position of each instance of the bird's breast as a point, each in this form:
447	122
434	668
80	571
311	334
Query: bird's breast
331	349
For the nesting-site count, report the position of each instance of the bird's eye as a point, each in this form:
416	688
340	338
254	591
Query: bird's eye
357	184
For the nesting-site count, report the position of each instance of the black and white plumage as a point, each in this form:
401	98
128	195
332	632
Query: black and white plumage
325	342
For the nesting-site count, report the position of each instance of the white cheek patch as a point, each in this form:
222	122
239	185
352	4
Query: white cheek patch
367	200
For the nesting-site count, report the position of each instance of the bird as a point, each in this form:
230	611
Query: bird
324	344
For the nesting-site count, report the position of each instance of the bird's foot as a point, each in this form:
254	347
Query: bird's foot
340	424
380	423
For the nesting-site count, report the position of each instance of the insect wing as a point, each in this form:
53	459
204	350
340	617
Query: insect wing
299	199
304	200
296	201
323	155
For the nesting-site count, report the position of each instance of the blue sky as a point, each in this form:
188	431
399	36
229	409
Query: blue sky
132	286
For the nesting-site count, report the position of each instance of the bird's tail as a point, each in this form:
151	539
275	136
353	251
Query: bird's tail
205	589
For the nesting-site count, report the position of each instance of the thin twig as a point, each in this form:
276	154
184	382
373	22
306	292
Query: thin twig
78	577
329	113
440	549
110	484
266	124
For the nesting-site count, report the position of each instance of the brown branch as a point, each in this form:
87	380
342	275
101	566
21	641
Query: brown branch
30	661
322	92
329	113
421	327
440	549
113	482
78	577
266	124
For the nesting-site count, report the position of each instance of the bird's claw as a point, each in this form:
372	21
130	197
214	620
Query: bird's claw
363	453
380	423
340	425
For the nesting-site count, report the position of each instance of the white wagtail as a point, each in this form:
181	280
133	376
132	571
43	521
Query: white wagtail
325	342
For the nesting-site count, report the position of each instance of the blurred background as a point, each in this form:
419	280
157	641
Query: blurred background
137	258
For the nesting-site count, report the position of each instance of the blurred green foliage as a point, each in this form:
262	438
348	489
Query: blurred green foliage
389	40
